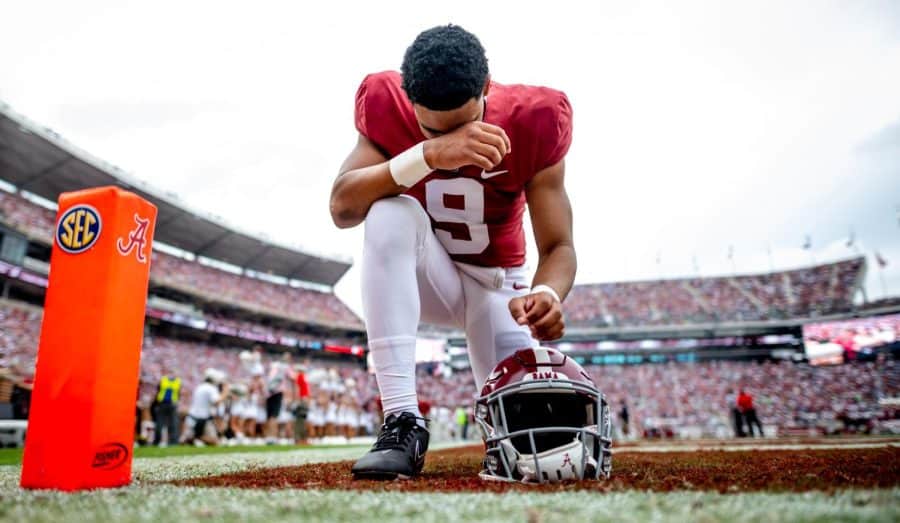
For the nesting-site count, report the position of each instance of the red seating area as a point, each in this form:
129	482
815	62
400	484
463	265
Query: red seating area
684	394
786	394
20	331
26	216
803	292
302	304
812	291
694	394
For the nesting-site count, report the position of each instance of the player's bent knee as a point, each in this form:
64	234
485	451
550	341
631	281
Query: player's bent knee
393	222
396	209
507	343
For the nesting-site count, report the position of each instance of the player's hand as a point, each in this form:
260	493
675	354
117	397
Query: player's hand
542	313
475	143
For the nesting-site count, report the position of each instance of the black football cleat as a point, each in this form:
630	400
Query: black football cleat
399	451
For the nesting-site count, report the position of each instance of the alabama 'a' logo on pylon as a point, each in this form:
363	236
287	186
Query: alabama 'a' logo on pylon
136	241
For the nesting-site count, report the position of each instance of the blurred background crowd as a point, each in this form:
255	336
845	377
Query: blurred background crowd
232	356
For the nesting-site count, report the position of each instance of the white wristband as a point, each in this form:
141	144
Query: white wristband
409	167
548	289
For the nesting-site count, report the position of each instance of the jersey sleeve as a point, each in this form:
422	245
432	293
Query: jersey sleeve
361	109
553	121
377	112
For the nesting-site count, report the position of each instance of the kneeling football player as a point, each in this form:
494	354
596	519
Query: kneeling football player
444	163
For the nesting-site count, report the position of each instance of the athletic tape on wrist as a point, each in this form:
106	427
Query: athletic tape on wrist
548	289
408	167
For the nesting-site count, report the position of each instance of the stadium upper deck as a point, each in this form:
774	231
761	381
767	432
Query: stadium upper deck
202	281
801	293
762	298
38	160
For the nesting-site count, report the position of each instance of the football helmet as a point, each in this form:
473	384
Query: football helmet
543	420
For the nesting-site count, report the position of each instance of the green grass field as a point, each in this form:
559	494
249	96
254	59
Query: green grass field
149	499
14	456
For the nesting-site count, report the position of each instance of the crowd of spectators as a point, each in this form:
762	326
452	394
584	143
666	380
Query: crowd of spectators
677	394
247	329
235	325
691	397
804	292
674	394
337	400
297	303
281	300
20	330
26	216
787	394
813	291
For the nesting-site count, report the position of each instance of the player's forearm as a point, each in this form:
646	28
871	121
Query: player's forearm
556	268
356	190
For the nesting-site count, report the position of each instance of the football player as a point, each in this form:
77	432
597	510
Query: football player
444	163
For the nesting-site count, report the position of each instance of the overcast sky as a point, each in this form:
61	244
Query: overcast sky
697	125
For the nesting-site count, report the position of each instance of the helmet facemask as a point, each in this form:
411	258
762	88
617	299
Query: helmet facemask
545	430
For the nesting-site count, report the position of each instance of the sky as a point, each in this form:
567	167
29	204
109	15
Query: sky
700	127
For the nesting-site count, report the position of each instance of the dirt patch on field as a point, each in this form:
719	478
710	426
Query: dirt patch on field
455	470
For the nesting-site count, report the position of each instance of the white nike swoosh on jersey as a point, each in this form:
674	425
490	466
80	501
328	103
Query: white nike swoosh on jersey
486	175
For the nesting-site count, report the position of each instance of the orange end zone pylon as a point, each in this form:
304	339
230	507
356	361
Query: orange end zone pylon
81	425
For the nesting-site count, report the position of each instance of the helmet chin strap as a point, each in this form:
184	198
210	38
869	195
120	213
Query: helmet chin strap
557	464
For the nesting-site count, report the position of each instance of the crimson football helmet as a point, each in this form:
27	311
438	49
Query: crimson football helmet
543	420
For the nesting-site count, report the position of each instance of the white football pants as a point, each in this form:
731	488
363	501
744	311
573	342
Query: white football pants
408	277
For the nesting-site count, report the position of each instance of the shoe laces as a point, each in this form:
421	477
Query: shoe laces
397	431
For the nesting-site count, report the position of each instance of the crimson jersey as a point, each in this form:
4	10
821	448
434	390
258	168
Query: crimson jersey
476	215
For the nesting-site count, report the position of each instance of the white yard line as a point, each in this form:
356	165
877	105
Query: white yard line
181	467
736	448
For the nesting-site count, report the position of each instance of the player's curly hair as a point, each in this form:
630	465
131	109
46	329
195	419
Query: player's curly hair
444	68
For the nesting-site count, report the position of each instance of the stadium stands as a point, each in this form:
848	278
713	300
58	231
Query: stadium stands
812	291
26	216
20	326
254	330
190	359
787	394
808	292
20	329
678	394
683	395
300	304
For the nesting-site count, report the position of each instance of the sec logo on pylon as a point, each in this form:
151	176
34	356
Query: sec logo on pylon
78	229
